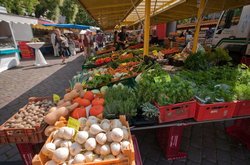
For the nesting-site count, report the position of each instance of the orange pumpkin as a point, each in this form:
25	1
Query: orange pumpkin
97	101
89	95
78	113
82	102
96	110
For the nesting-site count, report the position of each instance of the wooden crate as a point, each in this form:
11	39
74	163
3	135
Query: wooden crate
41	159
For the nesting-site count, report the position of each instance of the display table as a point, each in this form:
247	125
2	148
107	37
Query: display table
8	58
39	59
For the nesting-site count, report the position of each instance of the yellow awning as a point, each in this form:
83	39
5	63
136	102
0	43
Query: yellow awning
109	13
181	9
41	27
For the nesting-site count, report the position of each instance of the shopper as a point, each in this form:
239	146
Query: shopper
62	41
53	42
72	46
122	39
115	38
99	40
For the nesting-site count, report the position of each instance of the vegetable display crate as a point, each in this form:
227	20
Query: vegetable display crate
24	135
26	152
129	159
240	131
176	112
214	111
169	139
242	108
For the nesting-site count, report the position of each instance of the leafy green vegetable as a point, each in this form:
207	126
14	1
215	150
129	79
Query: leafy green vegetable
120	100
149	110
98	80
196	61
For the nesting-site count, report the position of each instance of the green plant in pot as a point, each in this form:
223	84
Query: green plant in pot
149	111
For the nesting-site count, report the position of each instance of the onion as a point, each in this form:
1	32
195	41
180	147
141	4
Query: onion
90	144
75	149
81	137
117	134
101	138
60	155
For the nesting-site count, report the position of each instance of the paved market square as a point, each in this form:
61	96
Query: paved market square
206	144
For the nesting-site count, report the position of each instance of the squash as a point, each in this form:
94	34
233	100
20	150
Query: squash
72	106
82	102
97	101
71	95
78	113
89	95
96	110
53	116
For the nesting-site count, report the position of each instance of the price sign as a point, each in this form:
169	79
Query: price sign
73	123
56	98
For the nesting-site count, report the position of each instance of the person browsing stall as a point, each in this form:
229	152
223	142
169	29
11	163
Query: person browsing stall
122	39
63	43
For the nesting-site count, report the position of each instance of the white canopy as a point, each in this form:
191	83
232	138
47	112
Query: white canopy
17	19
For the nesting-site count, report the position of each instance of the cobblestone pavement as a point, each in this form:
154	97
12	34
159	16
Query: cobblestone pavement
206	144
26	80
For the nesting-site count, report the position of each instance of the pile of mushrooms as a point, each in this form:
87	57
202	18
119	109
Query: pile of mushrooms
30	116
97	140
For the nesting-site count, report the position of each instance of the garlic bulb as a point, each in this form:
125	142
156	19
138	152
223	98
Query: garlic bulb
95	129
105	150
75	149
90	144
117	134
55	134
89	156
120	156
116	123
125	145
82	121
79	158
70	162
109	157
115	148
60	155
105	125
60	132
68	133
91	120
97	159
86	128
50	162
48	149
97	149
58	142
81	137
125	133
101	138
66	143
108	134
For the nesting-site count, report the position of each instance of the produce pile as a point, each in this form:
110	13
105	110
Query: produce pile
30	116
96	140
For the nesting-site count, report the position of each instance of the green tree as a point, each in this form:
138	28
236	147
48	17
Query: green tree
20	7
69	9
48	8
83	17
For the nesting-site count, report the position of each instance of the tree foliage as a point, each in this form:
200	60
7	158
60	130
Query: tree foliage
51	9
20	7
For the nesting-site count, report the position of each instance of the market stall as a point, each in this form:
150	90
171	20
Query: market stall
12	31
131	90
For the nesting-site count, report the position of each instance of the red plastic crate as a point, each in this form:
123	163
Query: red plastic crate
26	152
245	60
169	139
26	51
214	111
242	108
240	131
177	111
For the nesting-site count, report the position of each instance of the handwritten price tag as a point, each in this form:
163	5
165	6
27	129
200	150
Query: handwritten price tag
73	123
56	98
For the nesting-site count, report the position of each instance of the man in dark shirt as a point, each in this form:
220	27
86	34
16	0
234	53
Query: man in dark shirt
122	39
